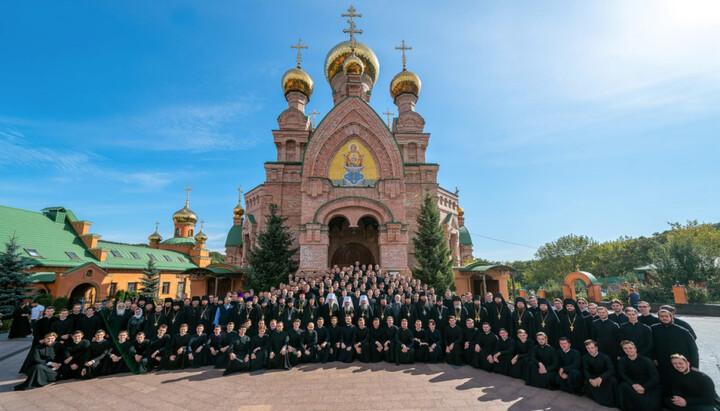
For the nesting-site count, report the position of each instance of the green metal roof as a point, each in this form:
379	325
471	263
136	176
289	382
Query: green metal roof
180	240
53	240
127	260
465	238
39	232
43	277
251	218
234	237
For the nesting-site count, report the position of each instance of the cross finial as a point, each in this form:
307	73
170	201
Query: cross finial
314	113
202	223
187	197
352	30
388	113
239	192
403	47
299	48
157	223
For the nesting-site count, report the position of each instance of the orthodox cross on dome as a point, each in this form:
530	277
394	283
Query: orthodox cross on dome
352	30
314	113
388	113
202	224
240	193
187	197
157	223
403	47
299	48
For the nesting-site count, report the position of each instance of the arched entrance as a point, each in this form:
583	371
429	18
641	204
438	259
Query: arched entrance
350	244
85	292
576	280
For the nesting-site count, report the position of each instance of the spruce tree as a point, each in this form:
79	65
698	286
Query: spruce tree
434	266
270	258
150	282
15	282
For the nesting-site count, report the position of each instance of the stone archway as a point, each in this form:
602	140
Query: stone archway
87	292
591	283
350	243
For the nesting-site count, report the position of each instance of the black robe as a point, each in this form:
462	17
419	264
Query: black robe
279	340
521	366
607	335
174	320
143	350
639	371
241	348
160	346
404	339
89	325
522	321
695	387
434	338
549	324
506	349
601	366
197	347
420	344
668	340
323	337
454	342
390	343
20	327
469	339
347	337
499	317
334	335
223	356
440	315
547	355
73	354
97	353
42	327
38	373
574	327
618	318
295	339
571	364
641	335
63	327
309	346
118	350
648	320
179	350
376	338
488	346
259	347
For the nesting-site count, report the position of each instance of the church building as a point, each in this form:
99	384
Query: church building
352	185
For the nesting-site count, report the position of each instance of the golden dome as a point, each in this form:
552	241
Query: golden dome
460	211
238	211
155	237
353	65
297	80
185	215
337	55
200	237
405	82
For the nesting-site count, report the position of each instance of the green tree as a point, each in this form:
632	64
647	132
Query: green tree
556	259
150	281
216	258
15	282
271	258
434	266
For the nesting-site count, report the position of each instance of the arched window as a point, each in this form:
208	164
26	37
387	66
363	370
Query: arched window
177	231
191	232
88	273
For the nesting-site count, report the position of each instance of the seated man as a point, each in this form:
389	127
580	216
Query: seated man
569	375
543	363
599	375
310	342
504	352
239	353
96	355
140	352
179	349
74	356
197	347
639	387
435	343
160	347
114	362
691	389
41	367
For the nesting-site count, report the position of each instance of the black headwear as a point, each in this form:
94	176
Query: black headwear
205	298
196	298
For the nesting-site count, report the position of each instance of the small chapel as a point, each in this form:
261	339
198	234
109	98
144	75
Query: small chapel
352	185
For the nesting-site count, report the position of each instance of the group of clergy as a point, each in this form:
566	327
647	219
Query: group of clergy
621	359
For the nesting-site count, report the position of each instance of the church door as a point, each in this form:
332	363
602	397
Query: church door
351	244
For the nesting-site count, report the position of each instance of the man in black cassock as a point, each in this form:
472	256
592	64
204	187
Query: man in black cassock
334	332
499	314
63	327
160	346
179	349
175	318
569	375
469	342
376	340
547	322
617	315
278	348
361	345
42	367
310	342
440	313
96	355
420	341
646	316
684	324
140	353
606	333
295	342
520	362
259	348
639	387
485	347
599	376
522	318
389	340
435	343
323	341
347	339
543	365
453	342
74	355
223	356
504	352
197	347
212	349
637	332
404	343
668	339
42	325
239	353
459	312
573	325
690	389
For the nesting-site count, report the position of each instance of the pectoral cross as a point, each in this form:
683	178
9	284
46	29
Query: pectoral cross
403	47
313	113
388	113
299	48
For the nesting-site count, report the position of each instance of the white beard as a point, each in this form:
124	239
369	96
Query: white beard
120	312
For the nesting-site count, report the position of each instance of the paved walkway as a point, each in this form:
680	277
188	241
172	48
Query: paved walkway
346	386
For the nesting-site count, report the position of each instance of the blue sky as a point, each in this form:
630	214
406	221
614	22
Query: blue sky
595	118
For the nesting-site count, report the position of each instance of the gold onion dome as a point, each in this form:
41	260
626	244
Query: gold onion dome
353	65
405	82
200	237
460	211
297	80
238	211
155	237
185	215
335	60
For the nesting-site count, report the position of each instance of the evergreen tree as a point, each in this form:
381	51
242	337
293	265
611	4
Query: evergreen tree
15	282
431	250
150	282
270	259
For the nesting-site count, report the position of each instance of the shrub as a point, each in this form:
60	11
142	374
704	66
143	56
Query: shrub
655	292
61	302
44	299
697	293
